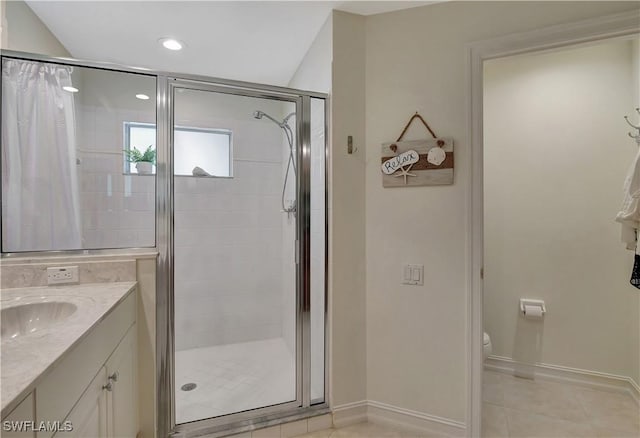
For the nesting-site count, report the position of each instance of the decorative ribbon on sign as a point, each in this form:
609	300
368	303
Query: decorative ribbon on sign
417	156
419	117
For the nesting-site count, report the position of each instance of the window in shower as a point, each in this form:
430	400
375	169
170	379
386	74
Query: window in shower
202	152
198	151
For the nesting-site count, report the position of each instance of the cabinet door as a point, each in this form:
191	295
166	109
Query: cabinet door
89	416
17	419
123	399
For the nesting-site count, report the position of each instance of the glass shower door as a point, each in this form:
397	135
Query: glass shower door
236	344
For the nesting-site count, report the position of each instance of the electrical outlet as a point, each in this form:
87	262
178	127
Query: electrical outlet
62	275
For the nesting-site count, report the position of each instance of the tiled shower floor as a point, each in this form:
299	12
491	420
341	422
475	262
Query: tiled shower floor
233	378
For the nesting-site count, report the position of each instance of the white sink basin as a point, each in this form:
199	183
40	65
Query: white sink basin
27	318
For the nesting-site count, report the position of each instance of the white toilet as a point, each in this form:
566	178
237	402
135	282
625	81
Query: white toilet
486	345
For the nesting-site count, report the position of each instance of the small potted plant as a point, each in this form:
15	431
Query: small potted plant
144	160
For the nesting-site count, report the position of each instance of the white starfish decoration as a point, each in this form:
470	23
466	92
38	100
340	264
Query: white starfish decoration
404	172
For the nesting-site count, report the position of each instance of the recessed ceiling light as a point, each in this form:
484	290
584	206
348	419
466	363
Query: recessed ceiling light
142	96
171	44
70	89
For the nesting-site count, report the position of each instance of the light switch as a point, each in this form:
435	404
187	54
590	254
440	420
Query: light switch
413	275
407	273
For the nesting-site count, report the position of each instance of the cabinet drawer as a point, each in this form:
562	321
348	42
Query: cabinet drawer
60	390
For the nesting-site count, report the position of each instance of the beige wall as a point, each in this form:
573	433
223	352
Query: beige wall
347	211
556	155
24	32
415	60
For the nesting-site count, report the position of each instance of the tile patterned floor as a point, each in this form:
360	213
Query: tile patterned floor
233	378
366	430
515	407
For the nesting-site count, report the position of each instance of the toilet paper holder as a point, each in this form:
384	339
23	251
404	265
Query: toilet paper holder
524	302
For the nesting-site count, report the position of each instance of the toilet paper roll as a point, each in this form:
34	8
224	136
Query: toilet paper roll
533	312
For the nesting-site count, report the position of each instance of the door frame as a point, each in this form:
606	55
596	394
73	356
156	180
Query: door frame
553	37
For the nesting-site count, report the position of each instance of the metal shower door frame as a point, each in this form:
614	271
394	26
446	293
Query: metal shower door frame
165	323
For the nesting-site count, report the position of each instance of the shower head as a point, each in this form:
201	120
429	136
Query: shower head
260	114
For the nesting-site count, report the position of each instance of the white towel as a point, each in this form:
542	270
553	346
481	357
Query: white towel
629	215
199	171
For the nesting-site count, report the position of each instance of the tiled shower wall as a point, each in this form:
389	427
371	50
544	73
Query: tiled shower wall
228	231
117	209
227	257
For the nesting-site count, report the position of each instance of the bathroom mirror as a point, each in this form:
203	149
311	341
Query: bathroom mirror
71	176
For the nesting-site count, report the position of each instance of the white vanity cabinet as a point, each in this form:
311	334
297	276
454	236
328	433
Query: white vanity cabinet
108	406
94	386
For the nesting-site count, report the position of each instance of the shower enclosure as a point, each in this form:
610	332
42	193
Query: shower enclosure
240	227
246	257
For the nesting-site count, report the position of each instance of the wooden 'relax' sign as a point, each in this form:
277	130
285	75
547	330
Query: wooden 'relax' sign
417	163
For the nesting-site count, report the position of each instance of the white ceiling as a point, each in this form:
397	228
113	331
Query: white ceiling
256	41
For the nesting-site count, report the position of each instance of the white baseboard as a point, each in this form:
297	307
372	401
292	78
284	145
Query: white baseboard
420	422
350	413
381	413
576	376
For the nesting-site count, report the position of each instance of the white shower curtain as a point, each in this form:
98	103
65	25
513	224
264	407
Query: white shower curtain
40	199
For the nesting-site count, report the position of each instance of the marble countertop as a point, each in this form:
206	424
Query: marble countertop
26	359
